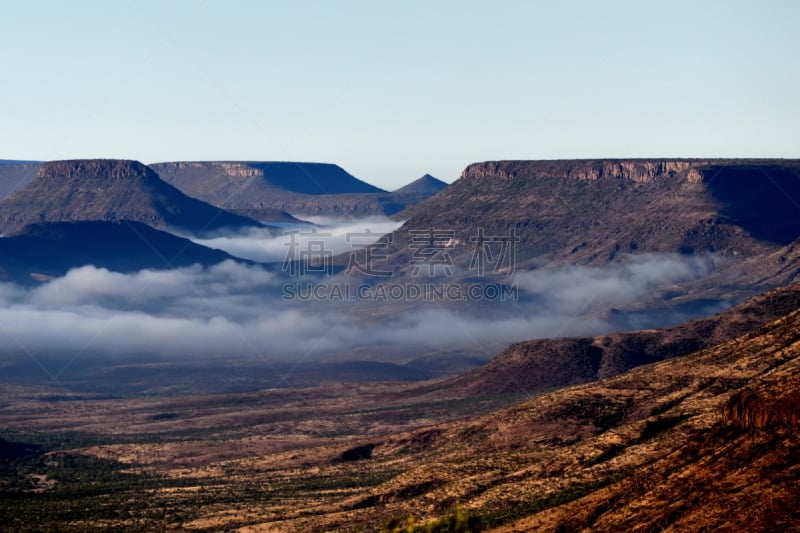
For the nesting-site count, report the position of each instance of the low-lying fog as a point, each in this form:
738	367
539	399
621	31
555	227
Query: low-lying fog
238	310
263	246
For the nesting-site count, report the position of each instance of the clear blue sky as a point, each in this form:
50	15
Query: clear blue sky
393	90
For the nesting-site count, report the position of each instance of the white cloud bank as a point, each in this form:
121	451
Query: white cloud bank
237	310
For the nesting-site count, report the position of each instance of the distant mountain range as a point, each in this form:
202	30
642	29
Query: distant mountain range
418	190
83	190
265	190
62	214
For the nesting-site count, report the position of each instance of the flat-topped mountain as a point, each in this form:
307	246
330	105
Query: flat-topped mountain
269	190
238	177
109	189
594	211
51	249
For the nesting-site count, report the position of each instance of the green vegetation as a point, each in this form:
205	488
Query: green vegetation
46	485
57	488
457	521
516	510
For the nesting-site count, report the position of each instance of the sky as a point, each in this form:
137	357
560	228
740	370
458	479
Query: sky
391	91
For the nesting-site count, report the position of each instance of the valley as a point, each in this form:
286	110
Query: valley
154	378
371	267
352	457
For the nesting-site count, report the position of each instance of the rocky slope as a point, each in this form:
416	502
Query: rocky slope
737	470
269	190
109	189
534	366
51	249
706	441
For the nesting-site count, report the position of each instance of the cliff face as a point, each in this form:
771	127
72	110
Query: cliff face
773	405
101	172
639	170
82	190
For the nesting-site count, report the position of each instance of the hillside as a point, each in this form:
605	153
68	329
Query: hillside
716	456
15	175
702	441
538	365
108	189
268	190
51	249
591	212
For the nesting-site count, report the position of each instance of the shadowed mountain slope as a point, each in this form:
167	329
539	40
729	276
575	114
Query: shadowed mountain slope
110	189
51	249
15	175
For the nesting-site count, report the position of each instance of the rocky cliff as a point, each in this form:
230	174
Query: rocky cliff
639	170
774	405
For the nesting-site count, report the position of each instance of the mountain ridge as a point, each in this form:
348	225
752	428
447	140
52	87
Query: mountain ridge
537	365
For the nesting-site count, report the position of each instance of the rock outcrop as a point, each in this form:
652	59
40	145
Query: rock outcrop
773	405
638	170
